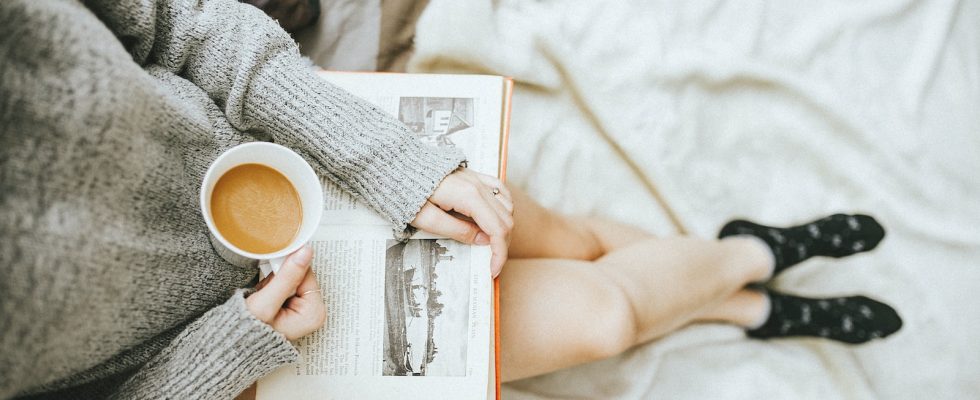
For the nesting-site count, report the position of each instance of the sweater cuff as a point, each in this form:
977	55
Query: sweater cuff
217	356
358	146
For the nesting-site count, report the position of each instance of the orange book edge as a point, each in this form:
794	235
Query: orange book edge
504	139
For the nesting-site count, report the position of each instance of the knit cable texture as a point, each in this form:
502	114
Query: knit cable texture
110	113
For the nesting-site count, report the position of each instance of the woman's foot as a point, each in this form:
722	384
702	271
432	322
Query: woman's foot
854	319
838	235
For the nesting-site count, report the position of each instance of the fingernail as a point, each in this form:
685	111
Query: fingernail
482	239
495	271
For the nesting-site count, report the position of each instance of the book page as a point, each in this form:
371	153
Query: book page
404	319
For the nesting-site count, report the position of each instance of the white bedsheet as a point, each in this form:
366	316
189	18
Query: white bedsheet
779	111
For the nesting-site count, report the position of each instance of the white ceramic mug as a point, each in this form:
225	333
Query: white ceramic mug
294	168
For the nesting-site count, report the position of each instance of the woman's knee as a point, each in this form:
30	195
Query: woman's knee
613	327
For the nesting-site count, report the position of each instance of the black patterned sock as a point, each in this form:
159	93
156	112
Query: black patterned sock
838	235
855	319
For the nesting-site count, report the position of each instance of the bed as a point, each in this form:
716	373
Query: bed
677	116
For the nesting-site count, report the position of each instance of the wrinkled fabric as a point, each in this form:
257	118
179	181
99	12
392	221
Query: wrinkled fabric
778	112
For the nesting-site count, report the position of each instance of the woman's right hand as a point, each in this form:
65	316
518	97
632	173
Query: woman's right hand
484	200
290	300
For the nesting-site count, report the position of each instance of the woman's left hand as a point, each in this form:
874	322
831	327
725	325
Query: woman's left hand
472	208
290	300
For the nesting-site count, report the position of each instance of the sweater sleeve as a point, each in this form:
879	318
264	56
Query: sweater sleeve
215	357
252	70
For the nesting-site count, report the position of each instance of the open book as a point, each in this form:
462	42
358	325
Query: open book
415	319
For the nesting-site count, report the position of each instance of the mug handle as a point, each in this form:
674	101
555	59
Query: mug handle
269	266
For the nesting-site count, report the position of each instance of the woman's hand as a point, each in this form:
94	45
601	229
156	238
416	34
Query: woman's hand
290	300
472	208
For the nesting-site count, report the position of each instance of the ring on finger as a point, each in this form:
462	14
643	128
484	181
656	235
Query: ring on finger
308	292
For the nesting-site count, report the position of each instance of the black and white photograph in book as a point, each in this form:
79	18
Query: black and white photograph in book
427	291
436	120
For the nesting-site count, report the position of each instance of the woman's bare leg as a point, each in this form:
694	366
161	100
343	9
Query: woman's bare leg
582	289
541	233
559	312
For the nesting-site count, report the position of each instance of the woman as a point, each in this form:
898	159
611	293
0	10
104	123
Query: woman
111	289
110	113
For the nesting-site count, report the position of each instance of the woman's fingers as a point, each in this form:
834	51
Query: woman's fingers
303	313
468	195
497	202
498	248
433	219
309	287
500	240
290	300
308	293
265	303
503	194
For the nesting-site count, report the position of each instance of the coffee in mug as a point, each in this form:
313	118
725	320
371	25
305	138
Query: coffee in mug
256	208
260	201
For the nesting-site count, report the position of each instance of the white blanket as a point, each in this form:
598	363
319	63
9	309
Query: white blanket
778	111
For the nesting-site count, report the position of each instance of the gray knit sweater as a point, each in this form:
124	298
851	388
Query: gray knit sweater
110	112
